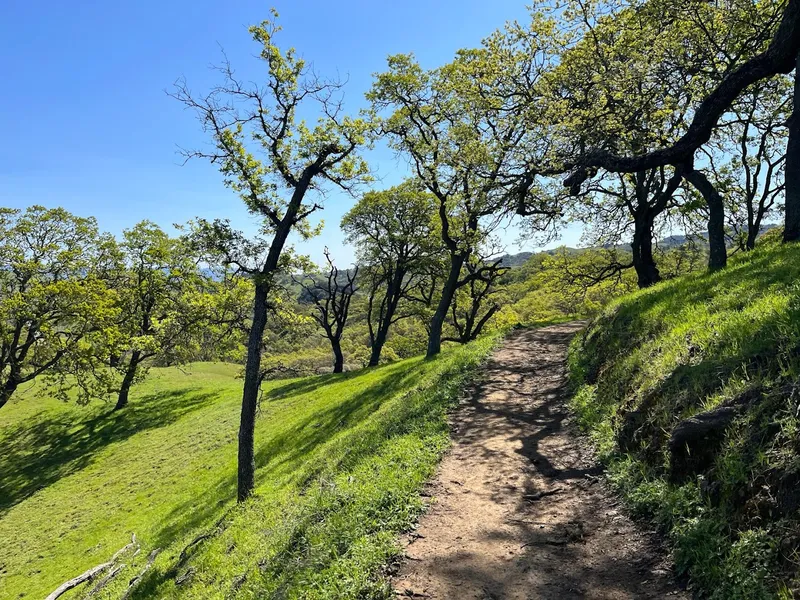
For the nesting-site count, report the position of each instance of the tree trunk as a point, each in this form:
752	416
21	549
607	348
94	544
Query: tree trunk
752	234
338	357
791	230
392	300
252	381
8	390
485	319
127	380
642	247
448	291
377	348
718	253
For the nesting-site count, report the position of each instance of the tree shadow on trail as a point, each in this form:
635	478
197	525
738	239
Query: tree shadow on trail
47	447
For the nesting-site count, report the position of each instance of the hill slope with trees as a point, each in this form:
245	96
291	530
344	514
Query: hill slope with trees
342	459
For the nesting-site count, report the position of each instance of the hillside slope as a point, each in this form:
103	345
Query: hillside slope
340	461
689	390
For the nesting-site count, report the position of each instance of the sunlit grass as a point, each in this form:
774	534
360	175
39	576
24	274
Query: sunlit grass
687	346
340	458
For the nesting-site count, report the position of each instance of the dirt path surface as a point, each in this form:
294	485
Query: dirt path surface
519	512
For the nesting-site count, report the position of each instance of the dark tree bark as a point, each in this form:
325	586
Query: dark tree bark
127	380
780	57
752	235
386	313
791	230
718	253
642	248
8	390
338	356
439	316
717	250
252	383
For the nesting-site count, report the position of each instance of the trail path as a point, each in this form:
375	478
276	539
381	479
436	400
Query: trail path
519	512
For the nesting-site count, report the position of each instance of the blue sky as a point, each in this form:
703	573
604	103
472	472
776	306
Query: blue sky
86	123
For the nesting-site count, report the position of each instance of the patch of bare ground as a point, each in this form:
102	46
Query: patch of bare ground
520	510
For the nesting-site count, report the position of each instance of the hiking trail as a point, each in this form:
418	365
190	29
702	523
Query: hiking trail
519	507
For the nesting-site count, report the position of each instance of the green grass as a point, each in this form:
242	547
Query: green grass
660	355
341	460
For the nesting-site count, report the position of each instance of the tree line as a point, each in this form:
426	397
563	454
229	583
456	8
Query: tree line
631	117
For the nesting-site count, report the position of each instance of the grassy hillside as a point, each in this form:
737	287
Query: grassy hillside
690	391
341	461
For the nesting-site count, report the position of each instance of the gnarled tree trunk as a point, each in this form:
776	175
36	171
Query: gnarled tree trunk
448	291
718	253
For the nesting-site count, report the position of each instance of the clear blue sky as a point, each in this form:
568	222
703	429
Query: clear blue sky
85	122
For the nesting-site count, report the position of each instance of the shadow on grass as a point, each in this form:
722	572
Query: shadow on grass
45	448
288	448
296	448
639	319
309	384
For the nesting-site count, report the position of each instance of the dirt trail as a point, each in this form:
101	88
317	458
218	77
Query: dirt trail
519	512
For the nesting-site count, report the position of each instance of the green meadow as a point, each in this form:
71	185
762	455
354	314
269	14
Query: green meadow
341	460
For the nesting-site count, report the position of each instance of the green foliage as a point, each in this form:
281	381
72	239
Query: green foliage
56	308
397	224
341	460
568	283
165	302
263	150
658	356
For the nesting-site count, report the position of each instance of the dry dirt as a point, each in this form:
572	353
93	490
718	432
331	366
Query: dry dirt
519	508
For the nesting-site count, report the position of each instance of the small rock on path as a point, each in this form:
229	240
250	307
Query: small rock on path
519	511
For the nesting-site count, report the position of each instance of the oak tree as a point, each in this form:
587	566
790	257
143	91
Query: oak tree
56	307
395	233
164	304
459	127
278	164
331	295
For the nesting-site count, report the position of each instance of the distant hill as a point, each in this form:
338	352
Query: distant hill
667	243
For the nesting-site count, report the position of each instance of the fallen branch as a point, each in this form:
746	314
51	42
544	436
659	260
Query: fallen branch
125	548
92	573
106	580
185	552
185	577
184	555
137	580
76	581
